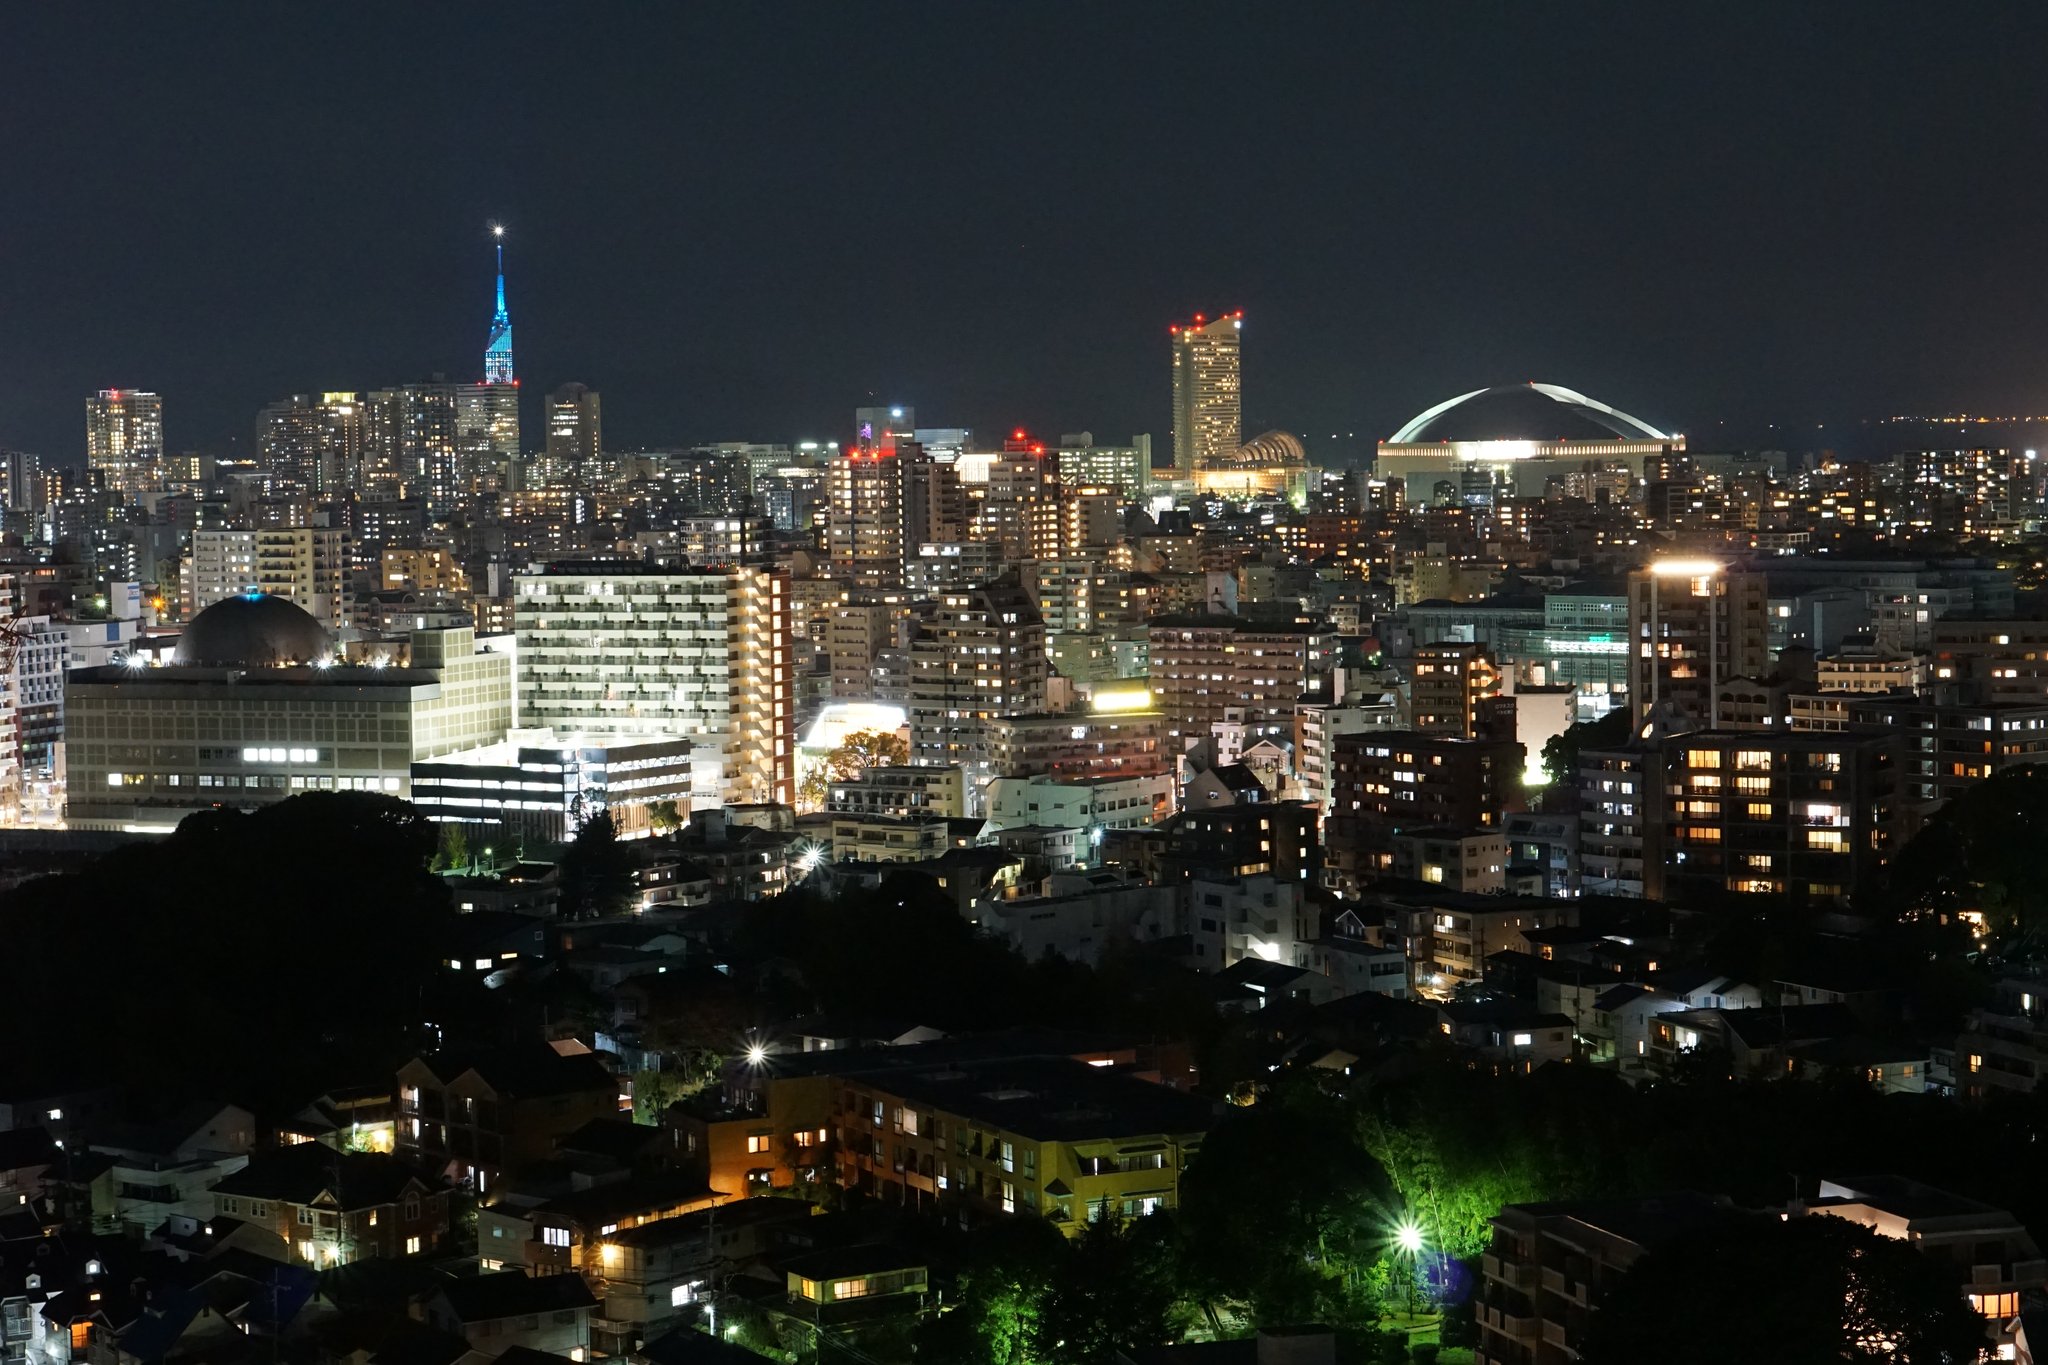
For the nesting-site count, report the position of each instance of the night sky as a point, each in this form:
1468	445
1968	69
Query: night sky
740	221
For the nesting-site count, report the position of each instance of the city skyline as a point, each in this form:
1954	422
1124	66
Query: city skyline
1740	269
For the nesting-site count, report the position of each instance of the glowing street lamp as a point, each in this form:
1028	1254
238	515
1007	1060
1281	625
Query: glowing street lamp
1408	1243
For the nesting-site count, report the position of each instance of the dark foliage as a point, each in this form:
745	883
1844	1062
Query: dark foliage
597	871
245	953
1817	1288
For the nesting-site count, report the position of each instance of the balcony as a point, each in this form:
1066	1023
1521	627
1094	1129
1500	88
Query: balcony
1514	1274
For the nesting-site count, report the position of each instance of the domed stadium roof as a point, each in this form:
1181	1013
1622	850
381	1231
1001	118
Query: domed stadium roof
1273	448
1524	412
253	631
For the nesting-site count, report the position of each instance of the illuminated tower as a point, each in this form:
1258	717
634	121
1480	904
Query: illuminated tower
487	414
498	350
1208	391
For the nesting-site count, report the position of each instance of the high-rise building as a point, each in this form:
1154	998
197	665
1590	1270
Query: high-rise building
486	435
575	431
623	651
1208	391
866	529
124	438
314	442
981	657
413	440
1694	624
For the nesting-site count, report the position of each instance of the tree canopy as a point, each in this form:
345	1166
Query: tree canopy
1814	1288
232	949
1977	853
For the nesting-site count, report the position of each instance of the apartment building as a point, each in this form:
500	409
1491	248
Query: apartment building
1204	666
1102	743
307	565
1991	659
1128	802
979	658
1693	625
1947	747
478	1115
1055	1137
1387	781
624	651
1449	686
900	792
1549	1265
1800	816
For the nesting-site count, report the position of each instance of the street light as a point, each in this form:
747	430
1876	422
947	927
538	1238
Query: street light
1408	1241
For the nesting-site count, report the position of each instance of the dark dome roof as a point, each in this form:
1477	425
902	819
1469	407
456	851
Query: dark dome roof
253	631
1524	412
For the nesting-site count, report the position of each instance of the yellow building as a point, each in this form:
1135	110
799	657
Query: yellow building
1071	1136
1054	1136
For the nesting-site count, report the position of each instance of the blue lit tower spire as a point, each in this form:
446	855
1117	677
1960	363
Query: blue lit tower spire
498	350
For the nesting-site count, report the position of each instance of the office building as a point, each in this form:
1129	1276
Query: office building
1693	625
1208	391
124	439
622	651
253	710
575	431
1123	470
543	787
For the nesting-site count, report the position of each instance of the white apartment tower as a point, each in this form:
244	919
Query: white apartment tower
623	651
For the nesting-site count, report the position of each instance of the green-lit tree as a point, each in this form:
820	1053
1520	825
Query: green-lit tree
453	854
1287	1213
1117	1287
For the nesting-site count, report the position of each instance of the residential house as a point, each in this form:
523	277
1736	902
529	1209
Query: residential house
1506	1035
571	1231
329	1208
474	1116
500	1310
